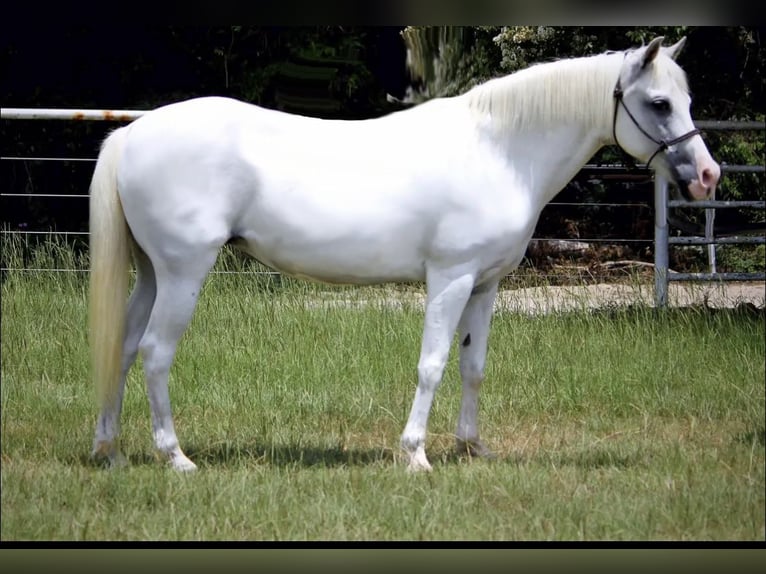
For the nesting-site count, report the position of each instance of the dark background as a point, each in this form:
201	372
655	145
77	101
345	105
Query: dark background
331	72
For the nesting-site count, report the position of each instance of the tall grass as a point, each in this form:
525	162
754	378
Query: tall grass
621	424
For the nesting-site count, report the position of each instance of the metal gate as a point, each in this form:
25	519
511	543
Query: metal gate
662	239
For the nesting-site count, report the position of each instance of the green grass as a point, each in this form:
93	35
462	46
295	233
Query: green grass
624	424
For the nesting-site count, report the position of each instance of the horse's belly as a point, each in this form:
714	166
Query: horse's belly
360	260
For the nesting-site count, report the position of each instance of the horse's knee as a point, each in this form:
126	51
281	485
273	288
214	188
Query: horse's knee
430	372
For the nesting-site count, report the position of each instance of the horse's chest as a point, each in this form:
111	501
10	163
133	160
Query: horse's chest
508	228
505	242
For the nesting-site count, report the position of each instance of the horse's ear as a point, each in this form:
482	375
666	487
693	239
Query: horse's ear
651	51
676	48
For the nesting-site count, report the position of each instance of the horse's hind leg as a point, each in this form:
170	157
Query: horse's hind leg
473	333
178	286
137	315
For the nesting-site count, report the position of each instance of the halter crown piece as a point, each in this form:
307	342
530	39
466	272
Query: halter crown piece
662	144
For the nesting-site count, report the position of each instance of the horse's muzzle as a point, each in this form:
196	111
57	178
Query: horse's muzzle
703	186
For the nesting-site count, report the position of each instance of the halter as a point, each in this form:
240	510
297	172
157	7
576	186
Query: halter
662	144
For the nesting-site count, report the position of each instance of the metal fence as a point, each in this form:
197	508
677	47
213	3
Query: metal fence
662	238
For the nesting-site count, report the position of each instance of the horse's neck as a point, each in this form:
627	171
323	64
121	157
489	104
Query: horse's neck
558	157
547	138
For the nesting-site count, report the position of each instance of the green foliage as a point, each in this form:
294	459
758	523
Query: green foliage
740	148
741	258
173	63
725	64
448	60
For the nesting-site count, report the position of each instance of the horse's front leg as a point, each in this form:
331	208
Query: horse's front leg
473	335
447	294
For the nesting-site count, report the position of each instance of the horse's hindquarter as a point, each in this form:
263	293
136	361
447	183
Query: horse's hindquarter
363	202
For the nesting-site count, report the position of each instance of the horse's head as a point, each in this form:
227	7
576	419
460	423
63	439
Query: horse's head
652	119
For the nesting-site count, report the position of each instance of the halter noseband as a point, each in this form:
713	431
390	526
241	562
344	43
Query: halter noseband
662	144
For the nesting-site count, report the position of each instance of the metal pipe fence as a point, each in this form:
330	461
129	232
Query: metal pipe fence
662	239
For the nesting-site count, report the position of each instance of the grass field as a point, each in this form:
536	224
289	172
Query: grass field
624	424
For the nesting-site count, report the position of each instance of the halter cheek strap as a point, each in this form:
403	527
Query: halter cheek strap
662	144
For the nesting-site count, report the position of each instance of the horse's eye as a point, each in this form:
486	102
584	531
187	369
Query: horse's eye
661	105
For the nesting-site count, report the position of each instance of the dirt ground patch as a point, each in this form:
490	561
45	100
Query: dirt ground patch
550	299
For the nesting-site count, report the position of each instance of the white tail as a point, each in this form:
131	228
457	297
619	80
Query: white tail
109	261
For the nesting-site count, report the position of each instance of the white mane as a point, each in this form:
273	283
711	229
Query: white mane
570	90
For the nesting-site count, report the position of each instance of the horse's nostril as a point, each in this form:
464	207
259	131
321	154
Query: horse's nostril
709	176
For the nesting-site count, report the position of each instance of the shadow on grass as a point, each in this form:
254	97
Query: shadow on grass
226	455
757	436
288	455
235	454
229	454
588	459
744	310
585	460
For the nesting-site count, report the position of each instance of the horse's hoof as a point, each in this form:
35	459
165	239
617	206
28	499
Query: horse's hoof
474	449
419	467
109	452
119	460
183	464
419	462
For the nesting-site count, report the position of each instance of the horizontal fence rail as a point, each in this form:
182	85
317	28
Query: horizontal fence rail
724	125
638	174
716	240
714	203
72	114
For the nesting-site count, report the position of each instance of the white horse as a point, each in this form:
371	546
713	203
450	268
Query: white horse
448	192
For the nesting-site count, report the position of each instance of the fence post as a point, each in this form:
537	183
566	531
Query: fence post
660	241
709	235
